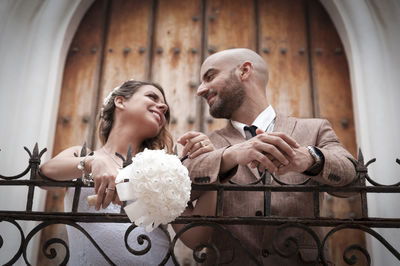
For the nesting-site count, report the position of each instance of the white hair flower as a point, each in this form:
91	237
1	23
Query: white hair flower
160	186
108	97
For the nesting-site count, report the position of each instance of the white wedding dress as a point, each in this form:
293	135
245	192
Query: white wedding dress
110	238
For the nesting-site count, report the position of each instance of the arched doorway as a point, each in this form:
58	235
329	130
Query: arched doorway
166	41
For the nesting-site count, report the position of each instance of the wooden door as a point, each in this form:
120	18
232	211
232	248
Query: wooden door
166	41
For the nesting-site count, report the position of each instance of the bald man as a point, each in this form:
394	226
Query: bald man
257	139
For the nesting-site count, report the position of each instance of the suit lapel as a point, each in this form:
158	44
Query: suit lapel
284	124
231	134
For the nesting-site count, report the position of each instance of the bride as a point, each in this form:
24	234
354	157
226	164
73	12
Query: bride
137	114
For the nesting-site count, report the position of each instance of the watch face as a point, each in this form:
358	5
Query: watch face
315	153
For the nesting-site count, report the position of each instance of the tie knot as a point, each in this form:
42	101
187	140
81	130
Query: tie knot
251	129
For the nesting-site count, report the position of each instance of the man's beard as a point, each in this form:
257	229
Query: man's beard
229	99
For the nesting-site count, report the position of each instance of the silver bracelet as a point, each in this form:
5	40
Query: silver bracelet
81	166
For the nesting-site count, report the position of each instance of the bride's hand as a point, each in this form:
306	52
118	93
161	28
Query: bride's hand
116	199
195	143
104	173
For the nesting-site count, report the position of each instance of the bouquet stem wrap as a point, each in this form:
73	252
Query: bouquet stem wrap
159	185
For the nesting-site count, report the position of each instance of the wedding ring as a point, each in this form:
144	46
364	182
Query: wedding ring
110	188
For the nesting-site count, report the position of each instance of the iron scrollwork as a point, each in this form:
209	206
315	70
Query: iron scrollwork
287	248
22	237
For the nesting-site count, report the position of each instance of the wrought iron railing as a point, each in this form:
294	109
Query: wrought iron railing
217	222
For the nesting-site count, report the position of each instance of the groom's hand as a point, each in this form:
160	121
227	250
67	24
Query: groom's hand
300	163
266	150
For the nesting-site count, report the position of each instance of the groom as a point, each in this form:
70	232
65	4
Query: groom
257	138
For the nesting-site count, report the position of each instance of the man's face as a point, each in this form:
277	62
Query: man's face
222	90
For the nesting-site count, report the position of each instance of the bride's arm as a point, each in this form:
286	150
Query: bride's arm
64	166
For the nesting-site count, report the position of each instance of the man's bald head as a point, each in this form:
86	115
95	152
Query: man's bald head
232	58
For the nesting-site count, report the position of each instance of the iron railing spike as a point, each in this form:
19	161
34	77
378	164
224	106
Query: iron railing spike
83	150
36	150
360	157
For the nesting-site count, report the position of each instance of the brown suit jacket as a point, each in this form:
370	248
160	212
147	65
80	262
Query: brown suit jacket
338	171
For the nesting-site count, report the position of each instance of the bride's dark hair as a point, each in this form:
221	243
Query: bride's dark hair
162	141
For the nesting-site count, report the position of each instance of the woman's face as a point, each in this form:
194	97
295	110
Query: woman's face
147	108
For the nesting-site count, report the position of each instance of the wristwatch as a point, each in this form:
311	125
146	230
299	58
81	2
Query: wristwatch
319	161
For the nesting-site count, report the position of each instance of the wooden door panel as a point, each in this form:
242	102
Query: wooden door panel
331	79
228	24
283	44
127	50
79	88
76	112
176	60
333	101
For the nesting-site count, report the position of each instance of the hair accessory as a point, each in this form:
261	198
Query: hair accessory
107	99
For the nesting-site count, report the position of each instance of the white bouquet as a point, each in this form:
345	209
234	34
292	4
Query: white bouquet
160	186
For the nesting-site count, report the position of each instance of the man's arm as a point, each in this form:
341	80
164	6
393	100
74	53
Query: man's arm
206	168
337	168
221	164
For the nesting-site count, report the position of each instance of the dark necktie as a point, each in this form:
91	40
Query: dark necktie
252	130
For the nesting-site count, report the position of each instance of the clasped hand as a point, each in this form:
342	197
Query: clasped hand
275	152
